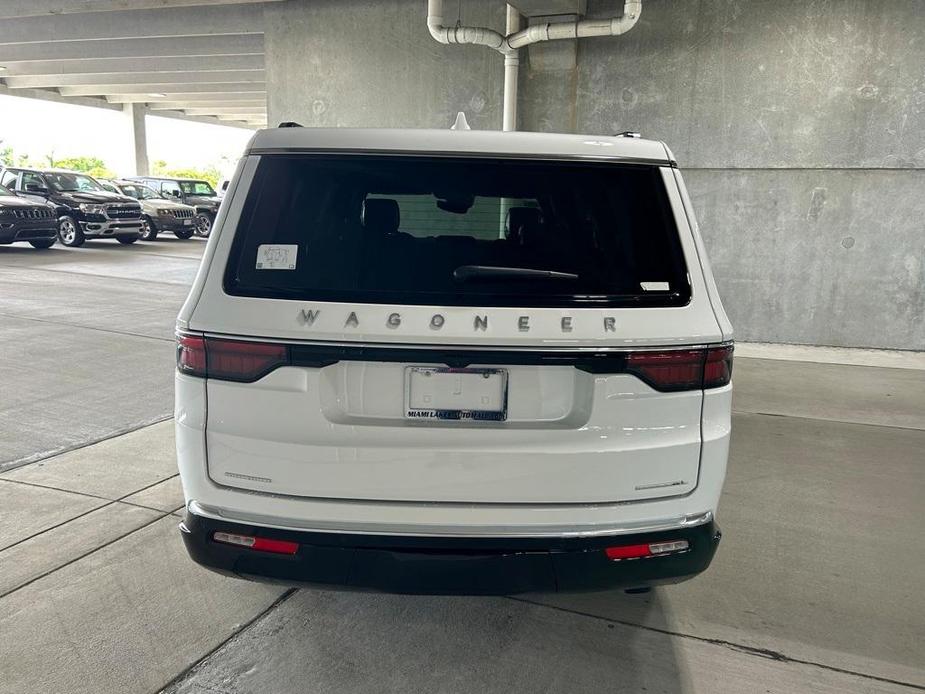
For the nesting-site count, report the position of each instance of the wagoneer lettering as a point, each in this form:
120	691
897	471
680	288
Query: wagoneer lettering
490	363
437	321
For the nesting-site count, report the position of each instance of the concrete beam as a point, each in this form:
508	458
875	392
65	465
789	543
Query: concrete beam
244	117
168	89
247	117
69	50
198	103
176	22
110	78
212	63
209	120
245	111
183	97
34	8
46	95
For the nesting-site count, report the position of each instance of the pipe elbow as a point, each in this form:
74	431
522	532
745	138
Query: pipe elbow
437	31
631	11
532	34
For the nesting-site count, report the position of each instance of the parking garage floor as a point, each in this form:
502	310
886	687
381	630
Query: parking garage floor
816	586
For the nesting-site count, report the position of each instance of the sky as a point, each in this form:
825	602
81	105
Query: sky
38	128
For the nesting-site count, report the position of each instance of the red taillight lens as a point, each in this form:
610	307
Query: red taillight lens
261	544
228	360
675	370
627	552
683	369
654	549
232	360
191	355
717	370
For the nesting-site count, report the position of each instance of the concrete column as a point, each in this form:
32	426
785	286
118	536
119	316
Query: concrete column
135	114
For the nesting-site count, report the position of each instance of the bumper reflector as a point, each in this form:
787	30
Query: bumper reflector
652	550
261	544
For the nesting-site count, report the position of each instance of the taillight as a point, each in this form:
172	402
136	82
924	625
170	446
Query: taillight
191	355
683	369
653	549
260	544
675	370
231	360
717	369
228	360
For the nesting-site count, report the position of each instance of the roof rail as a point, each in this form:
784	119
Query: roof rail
629	133
289	124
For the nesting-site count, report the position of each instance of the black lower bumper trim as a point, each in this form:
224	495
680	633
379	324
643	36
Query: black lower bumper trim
13	235
459	566
173	226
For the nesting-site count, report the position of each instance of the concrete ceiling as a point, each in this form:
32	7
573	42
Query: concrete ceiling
199	60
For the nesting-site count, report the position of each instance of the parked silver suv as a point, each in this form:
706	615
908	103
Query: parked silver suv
158	213
200	194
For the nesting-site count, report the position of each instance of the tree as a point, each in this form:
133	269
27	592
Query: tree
210	173
94	166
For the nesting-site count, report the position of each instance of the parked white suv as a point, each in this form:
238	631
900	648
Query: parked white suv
453	362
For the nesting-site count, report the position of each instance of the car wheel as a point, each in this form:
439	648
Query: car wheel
148	230
203	225
69	232
43	243
183	233
127	239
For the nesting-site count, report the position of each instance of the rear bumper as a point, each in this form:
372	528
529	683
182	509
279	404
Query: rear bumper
434	565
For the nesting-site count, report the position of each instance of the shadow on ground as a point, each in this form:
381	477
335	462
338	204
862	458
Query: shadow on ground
354	642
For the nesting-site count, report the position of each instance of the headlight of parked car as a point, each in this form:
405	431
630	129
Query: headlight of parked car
164	212
90	208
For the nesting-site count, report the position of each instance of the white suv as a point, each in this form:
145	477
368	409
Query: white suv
453	362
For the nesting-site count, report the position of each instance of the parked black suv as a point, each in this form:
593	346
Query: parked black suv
83	207
190	191
24	220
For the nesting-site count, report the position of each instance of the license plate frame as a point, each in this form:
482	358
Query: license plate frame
413	398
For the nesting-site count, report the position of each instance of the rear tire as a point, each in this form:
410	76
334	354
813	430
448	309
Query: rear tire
69	232
203	225
126	239
148	230
42	244
183	233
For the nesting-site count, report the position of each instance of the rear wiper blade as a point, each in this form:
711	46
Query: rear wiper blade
465	273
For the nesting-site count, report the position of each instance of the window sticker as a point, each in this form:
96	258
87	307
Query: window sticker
277	256
655	286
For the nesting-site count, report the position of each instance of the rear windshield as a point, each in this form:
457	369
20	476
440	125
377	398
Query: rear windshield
446	231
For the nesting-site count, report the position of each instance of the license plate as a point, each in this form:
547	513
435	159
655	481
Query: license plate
455	394
187	222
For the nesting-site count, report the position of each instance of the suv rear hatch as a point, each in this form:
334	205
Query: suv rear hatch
472	330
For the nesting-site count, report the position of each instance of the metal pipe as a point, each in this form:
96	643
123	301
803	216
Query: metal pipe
516	38
550	31
511	74
481	36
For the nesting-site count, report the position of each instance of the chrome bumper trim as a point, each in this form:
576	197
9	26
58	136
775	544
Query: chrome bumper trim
482	531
